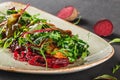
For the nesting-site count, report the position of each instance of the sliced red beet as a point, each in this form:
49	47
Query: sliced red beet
103	27
32	58
60	63
20	55
16	55
37	61
65	12
29	55
68	13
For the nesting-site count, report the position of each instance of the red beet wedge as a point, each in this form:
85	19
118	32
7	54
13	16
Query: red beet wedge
68	13
103	27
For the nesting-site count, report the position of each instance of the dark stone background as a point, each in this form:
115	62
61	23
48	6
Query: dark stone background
91	11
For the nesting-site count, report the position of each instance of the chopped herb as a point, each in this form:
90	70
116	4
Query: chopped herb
9	12
25	19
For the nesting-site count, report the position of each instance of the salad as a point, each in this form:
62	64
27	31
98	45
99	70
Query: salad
38	42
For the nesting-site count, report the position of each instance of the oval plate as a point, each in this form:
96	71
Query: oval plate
100	50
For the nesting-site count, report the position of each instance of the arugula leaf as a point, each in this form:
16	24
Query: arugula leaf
16	34
84	54
42	53
25	19
116	68
8	42
116	40
21	41
55	35
105	77
9	12
71	59
65	52
28	20
38	27
35	19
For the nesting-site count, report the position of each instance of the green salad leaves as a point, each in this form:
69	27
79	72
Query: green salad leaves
41	36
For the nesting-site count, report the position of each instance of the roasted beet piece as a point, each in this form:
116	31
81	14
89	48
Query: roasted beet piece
23	54
68	13
103	27
37	61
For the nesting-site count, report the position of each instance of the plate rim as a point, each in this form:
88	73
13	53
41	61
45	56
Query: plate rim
61	70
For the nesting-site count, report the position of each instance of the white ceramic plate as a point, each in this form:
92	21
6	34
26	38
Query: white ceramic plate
100	50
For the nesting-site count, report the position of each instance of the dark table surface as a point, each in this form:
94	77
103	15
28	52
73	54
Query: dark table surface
91	11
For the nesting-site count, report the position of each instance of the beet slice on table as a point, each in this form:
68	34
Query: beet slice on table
103	27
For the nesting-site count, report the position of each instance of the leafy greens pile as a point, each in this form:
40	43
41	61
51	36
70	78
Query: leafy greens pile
19	29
